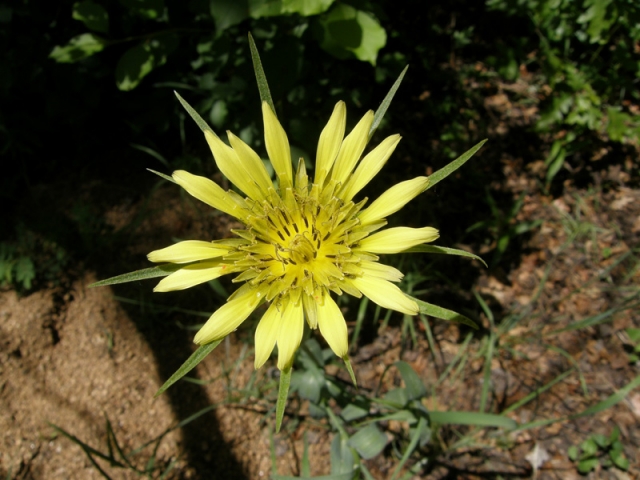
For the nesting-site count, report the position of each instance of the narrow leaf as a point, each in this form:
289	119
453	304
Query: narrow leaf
193	114
422	424
283	392
444	172
162	175
414	387
195	358
443	250
384	106
609	401
261	78
472	418
145	273
347	363
443	313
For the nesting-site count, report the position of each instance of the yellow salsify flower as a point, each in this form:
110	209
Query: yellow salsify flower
302	239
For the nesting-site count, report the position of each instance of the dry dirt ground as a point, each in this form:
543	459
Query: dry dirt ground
75	357
89	360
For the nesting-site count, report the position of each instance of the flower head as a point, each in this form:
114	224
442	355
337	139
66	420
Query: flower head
302	238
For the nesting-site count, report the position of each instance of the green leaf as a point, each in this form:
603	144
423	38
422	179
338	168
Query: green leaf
306	7
619	124
145	273
384	106
152	9
261	78
353	412
78	48
418	433
443	313
472	418
589	447
413	385
572	452
601	440
270	8
204	126
620	460
227	13
162	175
368	441
195	358
443	250
137	62
398	397
347	363
348	32
94	16
283	392
585	466
634	334
609	401
25	271
309	384
341	456
447	170
265	8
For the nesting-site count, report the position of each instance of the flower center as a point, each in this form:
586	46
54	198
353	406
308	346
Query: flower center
301	250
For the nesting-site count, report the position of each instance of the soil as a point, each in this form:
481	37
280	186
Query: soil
88	361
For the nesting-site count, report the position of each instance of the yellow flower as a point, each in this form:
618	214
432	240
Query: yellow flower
302	239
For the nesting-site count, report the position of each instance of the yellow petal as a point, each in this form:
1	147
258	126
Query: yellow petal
277	146
252	162
330	141
333	327
385	294
398	239
187	251
228	317
369	167
232	167
266	334
207	191
190	276
290	334
380	270
393	200
351	149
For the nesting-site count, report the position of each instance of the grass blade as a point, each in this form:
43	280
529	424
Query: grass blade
204	126
283	392
443	313
195	358
442	250
162	175
472	418
447	170
384	106
261	78
145	273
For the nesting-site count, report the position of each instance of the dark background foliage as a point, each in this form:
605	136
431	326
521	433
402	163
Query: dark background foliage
86	97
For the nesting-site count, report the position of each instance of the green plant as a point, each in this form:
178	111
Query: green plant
634	347
599	450
586	67
503	227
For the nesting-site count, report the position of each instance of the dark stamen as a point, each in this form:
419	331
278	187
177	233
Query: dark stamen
280	235
295	227
286	230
